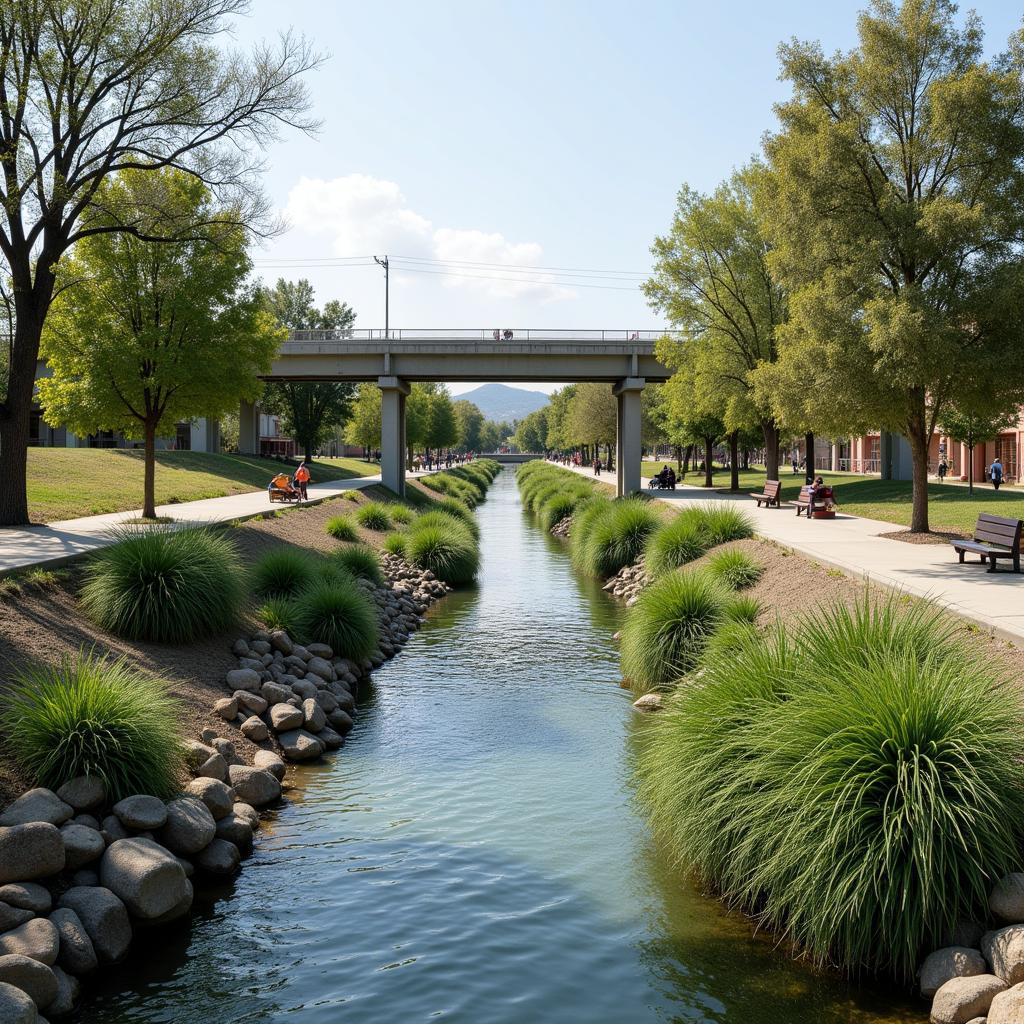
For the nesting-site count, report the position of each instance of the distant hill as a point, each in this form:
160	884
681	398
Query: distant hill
500	402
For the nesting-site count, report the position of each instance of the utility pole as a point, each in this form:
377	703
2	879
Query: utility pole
387	289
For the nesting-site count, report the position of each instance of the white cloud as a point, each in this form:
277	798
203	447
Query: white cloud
364	215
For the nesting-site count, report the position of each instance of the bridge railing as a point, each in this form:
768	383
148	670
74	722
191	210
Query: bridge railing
493	334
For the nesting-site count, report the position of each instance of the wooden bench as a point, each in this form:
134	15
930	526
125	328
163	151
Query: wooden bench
770	495
821	504
994	537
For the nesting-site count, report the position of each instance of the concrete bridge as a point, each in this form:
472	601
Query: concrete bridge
625	360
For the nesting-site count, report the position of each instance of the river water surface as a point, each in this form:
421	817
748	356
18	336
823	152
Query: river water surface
473	854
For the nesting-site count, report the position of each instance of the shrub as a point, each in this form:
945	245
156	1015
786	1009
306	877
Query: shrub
396	544
742	608
401	514
361	561
680	541
454	507
734	568
617	537
723	522
732	635
277	613
666	631
170	586
374	516
342	528
351	495
449	551
337	613
283	572
859	799
91	716
583	527
555	509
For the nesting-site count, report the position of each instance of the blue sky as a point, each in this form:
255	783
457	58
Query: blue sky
523	134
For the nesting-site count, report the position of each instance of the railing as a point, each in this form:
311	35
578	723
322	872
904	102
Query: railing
498	334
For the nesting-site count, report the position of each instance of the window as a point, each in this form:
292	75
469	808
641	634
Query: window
183	437
1006	453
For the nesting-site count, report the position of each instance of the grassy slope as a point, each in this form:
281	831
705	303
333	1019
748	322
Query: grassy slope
64	483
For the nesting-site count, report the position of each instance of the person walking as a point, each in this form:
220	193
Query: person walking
597	466
302	479
995	473
943	469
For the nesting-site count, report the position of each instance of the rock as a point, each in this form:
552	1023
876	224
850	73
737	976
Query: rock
284	717
189	826
85	876
322	668
226	749
33	850
313	715
81	845
240	648
1006	900
111	828
281	641
37	805
303	688
104	918
299	745
218	796
275	693
329	738
89	820
261	647
269	762
951	962
243	679
36	938
11	917
214	767
247	813
221	857
68	990
1008	1006
196	753
255	729
83	793
227	708
144	876
27	896
1004	950
320	651
141	812
235	829
961	999
252	702
254	785
77	954
346	702
16	1007
35	979
340	720
649	702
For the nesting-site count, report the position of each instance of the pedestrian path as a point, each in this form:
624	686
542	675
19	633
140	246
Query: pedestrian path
857	547
48	546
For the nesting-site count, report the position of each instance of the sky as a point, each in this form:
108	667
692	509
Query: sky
481	143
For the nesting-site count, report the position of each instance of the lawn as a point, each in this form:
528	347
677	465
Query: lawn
64	483
950	507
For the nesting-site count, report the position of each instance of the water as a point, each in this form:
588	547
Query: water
473	854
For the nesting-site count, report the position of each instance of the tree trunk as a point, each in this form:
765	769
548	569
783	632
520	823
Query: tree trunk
308	449
687	455
809	457
746	458
149	473
918	437
771	449
609	462
679	459
734	461
709	480
970	469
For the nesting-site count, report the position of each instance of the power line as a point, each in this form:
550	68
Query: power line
518	280
480	264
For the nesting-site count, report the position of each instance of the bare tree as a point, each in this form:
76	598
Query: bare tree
89	88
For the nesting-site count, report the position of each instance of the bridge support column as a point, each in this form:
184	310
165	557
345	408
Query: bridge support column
248	428
393	392
628	450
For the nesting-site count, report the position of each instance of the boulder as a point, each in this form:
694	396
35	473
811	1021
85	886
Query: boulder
16	1007
951	962
1004	950
37	805
36	938
33	850
214	767
329	738
240	648
247	813
275	693
303	688
111	828
227	708
254	729
27	896
254	785
85	876
189	826
281	641
261	647
1008	1006
235	829
313	715
217	796
299	745
11	917
284	717
346	702
962	999
77	954
82	845
32	977
321	667
340	720
83	793
196	753
1006	900
89	820
221	857
252	702
104	918
144	876
141	812
243	679
320	651
649	702
269	762
68	990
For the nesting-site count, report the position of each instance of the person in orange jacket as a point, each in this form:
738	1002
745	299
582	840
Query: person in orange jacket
302	478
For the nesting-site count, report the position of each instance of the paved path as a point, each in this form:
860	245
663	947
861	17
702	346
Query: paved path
994	600
50	545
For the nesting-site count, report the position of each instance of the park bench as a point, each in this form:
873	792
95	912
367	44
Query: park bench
994	537
823	505
770	495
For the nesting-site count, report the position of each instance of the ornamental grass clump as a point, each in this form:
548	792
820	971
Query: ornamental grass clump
447	549
617	537
359	560
337	613
454	507
168	586
556	508
401	514
374	515
283	572
92	716
342	528
734	568
583	528
277	613
680	541
856	784
723	522
396	544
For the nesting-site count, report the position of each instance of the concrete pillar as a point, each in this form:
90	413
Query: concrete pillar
629	424
248	428
393	392
834	463
213	435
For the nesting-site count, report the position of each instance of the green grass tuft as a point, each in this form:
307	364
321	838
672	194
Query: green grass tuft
277	613
361	561
337	613
734	568
283	572
401	514
374	515
616	537
448	549
342	528
396	544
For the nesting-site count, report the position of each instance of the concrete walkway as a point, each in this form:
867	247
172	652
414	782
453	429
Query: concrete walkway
56	543
855	545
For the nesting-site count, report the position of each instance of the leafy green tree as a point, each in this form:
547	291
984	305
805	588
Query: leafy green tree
558	438
532	431
311	411
469	420
712	280
92	88
442	423
970	428
491	436
146	334
364	424
592	417
894	207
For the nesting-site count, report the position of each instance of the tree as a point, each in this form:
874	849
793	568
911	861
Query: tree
970	428
894	207
532	431
442	430
364	424
145	334
712	280
557	437
491	436
311	411
469	420
92	88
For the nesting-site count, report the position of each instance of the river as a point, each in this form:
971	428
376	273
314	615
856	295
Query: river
473	853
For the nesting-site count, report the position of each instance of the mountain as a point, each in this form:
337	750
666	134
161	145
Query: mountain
500	402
